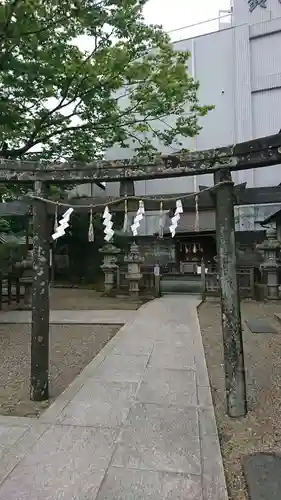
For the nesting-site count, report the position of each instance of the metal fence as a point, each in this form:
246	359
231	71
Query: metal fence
248	279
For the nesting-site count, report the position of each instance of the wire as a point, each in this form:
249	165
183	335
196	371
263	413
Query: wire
218	18
126	198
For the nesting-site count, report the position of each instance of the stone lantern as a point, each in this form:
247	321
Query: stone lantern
109	266
134	275
26	279
271	265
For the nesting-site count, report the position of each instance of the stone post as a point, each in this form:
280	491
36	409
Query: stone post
203	276
109	266
271	265
134	275
235	382
157	278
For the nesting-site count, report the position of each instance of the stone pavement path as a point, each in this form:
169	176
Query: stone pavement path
136	424
67	317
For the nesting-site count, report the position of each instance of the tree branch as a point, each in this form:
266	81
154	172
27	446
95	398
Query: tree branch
62	104
11	10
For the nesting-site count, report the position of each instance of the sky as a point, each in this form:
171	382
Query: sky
177	13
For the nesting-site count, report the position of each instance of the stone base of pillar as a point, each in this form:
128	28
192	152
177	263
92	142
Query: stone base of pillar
108	281
134	275
134	288
271	265
109	267
27	296
272	292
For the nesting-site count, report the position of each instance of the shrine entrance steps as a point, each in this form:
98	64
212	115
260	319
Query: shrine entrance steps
178	283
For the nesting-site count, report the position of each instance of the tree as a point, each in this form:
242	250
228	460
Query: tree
64	101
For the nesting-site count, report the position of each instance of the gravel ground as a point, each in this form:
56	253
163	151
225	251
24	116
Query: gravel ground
72	347
83	299
261	429
75	298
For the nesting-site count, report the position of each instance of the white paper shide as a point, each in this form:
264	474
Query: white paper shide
175	219
139	216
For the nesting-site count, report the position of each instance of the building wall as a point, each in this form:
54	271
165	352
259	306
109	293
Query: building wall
243	15
250	217
216	88
239	70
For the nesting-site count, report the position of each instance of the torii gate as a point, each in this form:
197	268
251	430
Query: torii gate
257	153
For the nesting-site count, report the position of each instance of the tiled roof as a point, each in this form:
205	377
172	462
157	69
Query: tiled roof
276	216
12	238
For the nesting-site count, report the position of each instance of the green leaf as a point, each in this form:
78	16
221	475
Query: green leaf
61	100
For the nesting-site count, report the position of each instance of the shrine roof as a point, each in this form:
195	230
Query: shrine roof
275	217
12	238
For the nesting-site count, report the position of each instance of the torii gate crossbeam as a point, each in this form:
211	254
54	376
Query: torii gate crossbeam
257	153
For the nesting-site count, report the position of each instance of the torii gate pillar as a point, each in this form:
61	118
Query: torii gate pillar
39	381
235	383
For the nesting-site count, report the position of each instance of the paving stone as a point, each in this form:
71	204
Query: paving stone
65	463
150	332
124	484
13	421
261	326
168	356
9	436
158	330
134	345
20	448
160	438
213	480
207	422
176	339
122	368
60	442
205	396
263	476
66	483
168	387
175	328
100	403
202	376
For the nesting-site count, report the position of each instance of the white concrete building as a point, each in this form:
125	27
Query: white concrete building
239	69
